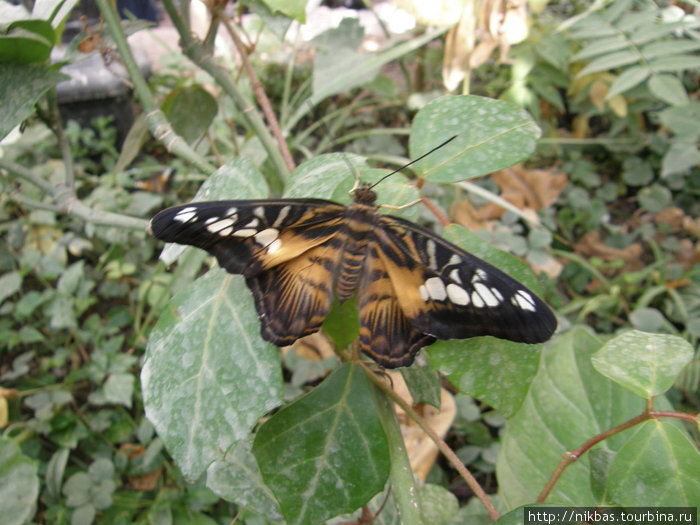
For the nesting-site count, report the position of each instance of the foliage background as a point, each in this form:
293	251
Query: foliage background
605	211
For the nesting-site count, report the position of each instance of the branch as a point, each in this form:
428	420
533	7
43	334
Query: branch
570	457
155	119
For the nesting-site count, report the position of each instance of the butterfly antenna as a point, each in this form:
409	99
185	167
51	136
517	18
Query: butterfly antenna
414	161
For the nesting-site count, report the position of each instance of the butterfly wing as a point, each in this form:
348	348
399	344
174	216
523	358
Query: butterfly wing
386	334
286	249
448	293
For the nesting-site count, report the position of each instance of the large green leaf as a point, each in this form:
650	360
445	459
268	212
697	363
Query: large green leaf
19	484
20	88
178	107
236	477
490	135
326	453
568	404
657	466
646	364
208	375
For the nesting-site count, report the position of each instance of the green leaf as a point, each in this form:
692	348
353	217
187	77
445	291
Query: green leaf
609	61
55	468
19	484
669	47
178	107
568	402
437	504
20	88
208	375
423	383
342	323
344	68
70	278
119	389
237	179
682	120
658	466
646	364
496	371
325	454
10	283
26	42
323	175
654	198
680	157
628	79
491	135
675	63
292	8
600	47
236	478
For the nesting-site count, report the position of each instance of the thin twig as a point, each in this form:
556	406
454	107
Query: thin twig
572	456
259	91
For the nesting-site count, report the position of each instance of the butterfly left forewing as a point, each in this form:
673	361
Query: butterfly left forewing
247	237
286	249
451	294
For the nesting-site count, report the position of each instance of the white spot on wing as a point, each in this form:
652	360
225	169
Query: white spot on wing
457	294
523	300
186	214
220	226
479	275
245	232
252	224
281	216
232	211
432	262
274	246
483	296
454	275
455	259
266	236
259	211
436	288
424	293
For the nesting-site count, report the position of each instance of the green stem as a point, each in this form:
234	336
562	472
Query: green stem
405	488
204	59
155	119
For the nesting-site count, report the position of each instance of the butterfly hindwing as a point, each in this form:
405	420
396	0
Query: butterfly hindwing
386	334
451	294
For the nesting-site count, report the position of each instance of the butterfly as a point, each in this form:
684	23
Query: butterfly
412	287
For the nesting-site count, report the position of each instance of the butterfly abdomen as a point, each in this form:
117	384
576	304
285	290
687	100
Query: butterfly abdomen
359	219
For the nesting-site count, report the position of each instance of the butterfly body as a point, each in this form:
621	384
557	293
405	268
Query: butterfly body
412	287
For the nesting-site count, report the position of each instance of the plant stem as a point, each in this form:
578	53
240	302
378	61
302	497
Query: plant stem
260	93
442	446
203	58
157	123
401	475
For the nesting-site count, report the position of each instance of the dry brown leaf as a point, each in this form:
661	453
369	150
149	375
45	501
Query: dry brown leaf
671	217
591	245
552	268
314	347
421	450
459	46
145	482
528	190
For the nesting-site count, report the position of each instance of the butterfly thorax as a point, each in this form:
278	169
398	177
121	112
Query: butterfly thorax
359	221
